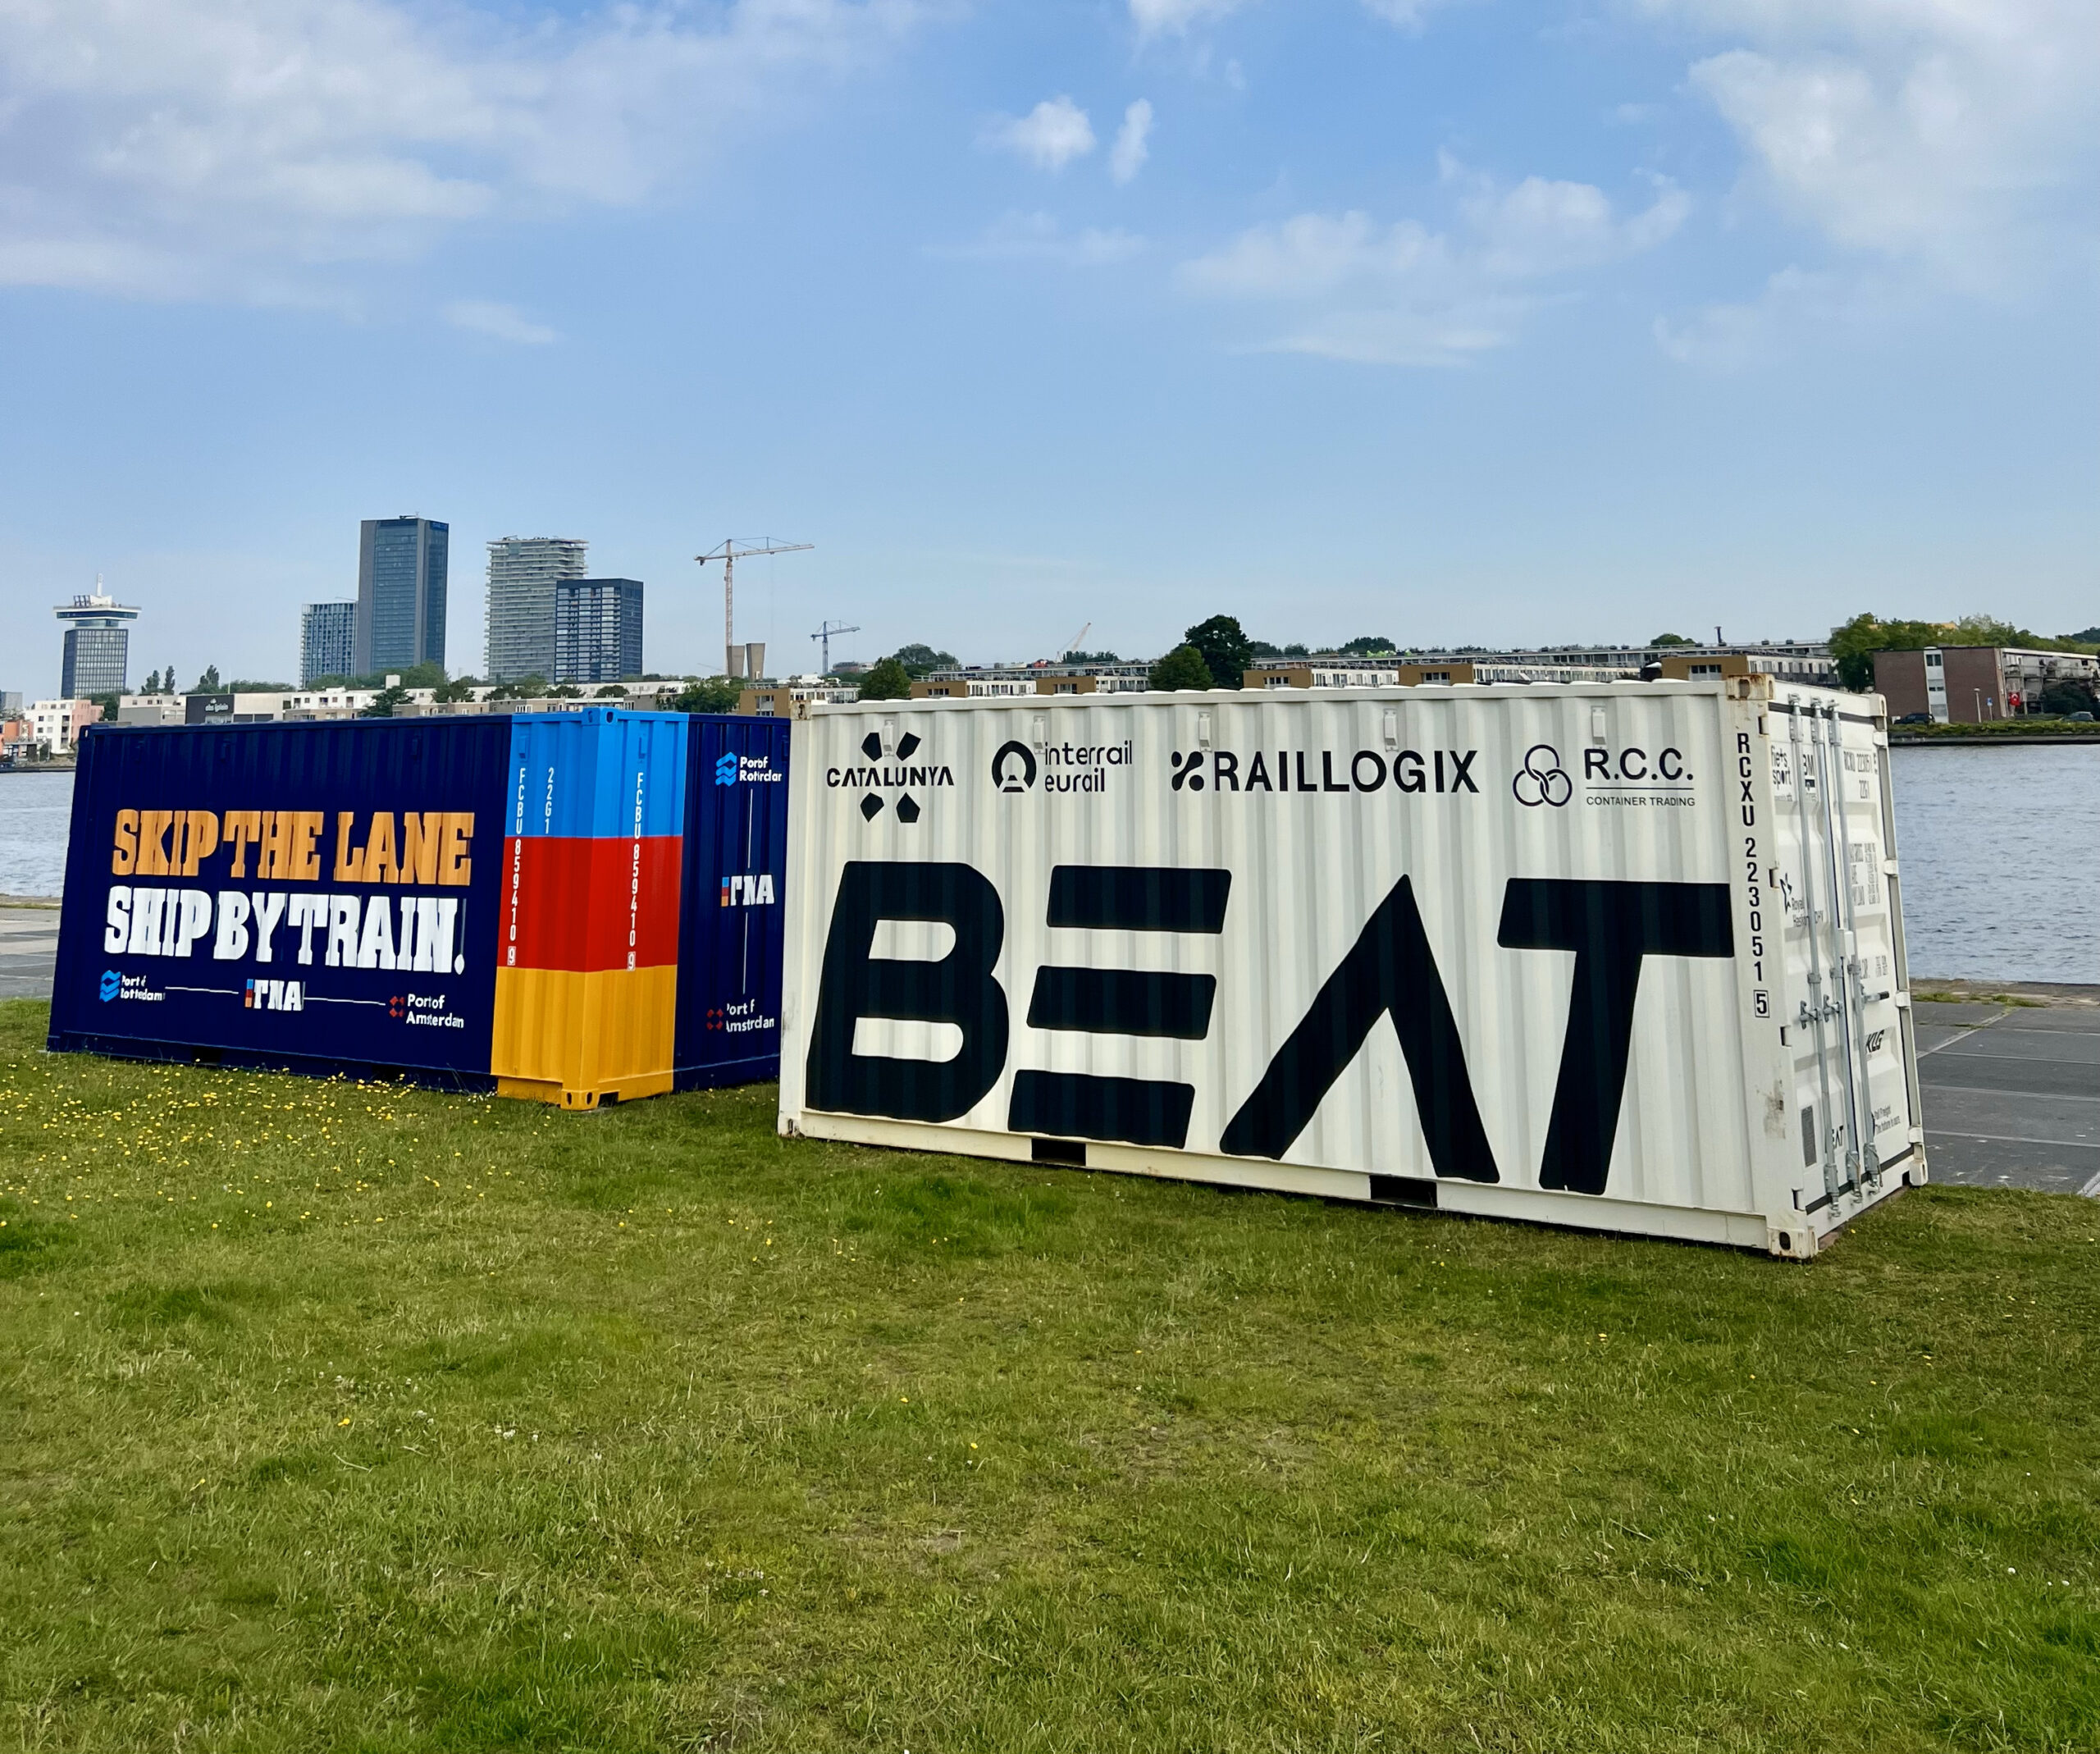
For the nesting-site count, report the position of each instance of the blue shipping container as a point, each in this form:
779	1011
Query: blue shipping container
577	907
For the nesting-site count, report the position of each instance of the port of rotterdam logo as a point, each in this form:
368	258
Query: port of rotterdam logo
1540	780
734	769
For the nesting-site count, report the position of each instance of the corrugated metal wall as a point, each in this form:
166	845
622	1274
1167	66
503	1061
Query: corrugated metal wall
1376	849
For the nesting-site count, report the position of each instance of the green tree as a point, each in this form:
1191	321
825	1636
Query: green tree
1181	668
385	702
889	680
1853	645
1226	649
1670	639
612	692
1370	645
244	685
208	683
708	694
1091	657
151	684
918	661
564	691
461	688
2070	694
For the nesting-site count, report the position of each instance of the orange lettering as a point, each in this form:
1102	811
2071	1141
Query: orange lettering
349	860
242	829
126	852
153	825
456	867
200	839
420	836
306	856
379	866
272	855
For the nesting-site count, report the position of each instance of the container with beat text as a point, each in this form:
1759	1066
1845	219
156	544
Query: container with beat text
1622	956
526	903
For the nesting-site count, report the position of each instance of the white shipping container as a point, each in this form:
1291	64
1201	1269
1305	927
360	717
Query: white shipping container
1626	956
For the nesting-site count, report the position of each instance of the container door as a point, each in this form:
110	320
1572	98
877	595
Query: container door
1830	781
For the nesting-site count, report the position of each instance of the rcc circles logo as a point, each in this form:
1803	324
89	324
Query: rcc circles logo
1540	780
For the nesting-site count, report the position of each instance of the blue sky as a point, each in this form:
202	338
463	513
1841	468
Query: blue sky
1460	321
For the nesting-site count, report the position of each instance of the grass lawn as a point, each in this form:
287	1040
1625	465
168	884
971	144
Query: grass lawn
339	1416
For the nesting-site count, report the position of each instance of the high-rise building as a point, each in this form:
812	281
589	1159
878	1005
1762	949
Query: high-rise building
597	629
327	641
400	614
97	656
524	571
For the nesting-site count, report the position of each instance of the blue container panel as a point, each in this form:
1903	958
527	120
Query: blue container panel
581	776
167	918
732	916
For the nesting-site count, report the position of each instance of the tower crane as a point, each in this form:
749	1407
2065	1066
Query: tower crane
822	635
729	552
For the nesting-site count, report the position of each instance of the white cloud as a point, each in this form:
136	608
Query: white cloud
1953	135
1162	18
213	147
1131	151
1177	17
1404	15
1403	294
501	322
1037	237
1049	137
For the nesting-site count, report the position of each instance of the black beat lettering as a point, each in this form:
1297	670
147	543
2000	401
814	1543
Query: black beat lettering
1633	764
1390	971
1596	764
958	989
1611	927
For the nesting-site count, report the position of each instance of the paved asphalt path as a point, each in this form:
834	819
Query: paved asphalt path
2012	1093
29	947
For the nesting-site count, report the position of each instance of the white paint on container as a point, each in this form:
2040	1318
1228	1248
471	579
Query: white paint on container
1625	956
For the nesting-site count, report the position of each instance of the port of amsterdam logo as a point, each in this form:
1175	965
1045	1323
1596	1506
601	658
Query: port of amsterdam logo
1013	767
1540	780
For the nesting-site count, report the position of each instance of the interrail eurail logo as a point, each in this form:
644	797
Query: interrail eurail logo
1013	767
1542	779
892	771
1061	767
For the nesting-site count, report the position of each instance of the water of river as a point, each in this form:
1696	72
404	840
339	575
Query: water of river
2000	850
